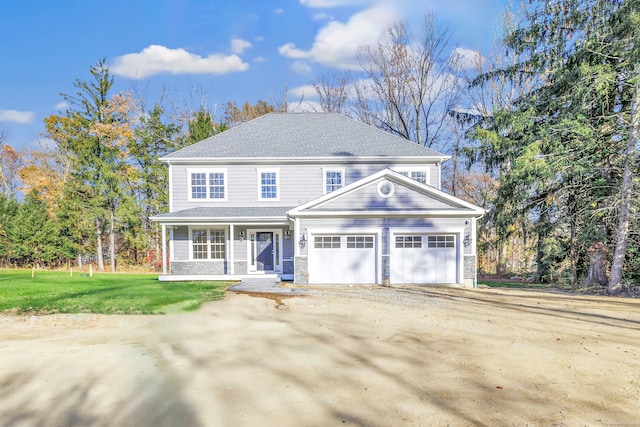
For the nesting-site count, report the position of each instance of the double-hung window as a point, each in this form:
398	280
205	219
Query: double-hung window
420	175
207	244
207	184
333	179
269	184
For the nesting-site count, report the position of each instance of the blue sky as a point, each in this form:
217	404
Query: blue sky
226	50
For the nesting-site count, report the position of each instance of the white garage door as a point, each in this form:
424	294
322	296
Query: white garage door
419	258
342	259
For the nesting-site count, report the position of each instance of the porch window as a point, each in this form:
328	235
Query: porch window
207	184
268	180
208	244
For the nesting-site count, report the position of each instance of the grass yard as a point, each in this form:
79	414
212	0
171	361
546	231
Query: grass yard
514	285
58	292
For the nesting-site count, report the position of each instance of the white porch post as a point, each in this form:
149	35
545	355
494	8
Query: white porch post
164	250
232	239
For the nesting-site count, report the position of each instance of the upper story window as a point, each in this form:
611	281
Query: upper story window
269	184
420	175
207	184
333	180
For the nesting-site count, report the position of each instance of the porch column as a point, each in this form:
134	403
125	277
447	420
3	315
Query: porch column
164	250
232	238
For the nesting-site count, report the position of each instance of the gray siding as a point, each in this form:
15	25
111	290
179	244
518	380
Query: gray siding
367	198
298	183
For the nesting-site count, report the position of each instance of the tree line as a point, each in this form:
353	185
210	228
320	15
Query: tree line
543	133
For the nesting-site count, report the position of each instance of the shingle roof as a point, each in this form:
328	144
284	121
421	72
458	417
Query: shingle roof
257	212
295	135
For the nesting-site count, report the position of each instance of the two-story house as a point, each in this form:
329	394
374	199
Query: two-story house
316	198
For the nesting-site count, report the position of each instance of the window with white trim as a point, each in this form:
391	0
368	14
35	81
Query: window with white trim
207	185
441	241
420	175
333	180
408	241
269	184
208	244
326	242
359	242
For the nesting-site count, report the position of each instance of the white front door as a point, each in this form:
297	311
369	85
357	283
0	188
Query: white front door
265	251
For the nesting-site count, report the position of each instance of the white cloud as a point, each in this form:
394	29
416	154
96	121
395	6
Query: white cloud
259	59
14	116
239	46
279	11
306	92
304	106
259	38
301	68
337	43
322	17
467	58
61	106
157	59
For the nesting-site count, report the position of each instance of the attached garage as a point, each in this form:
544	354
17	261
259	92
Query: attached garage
342	259
423	258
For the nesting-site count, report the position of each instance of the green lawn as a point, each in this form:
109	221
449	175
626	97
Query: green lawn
51	292
504	284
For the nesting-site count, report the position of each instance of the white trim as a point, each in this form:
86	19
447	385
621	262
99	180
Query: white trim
208	197
409	160
324	178
170	187
259	172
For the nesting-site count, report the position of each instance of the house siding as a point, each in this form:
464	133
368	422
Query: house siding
368	198
298	183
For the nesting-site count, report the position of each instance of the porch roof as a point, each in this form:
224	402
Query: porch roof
226	214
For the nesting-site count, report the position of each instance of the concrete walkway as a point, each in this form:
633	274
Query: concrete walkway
270	286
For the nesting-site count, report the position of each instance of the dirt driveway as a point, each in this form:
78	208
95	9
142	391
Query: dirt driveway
350	356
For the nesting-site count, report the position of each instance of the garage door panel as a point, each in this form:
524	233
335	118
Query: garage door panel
342	259
423	259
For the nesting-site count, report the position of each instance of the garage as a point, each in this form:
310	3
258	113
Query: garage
342	259
422	258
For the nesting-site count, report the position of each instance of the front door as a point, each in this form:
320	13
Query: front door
264	251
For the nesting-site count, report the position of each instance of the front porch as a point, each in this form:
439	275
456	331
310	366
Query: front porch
208	244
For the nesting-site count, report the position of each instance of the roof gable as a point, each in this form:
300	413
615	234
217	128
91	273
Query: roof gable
303	135
407	197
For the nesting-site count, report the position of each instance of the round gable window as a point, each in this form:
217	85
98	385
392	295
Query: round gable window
385	189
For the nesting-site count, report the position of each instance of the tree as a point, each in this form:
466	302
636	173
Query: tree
234	116
10	163
411	84
152	140
333	92
571	142
95	134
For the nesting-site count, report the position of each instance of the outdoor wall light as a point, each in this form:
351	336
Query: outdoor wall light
303	241
287	234
241	235
467	241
